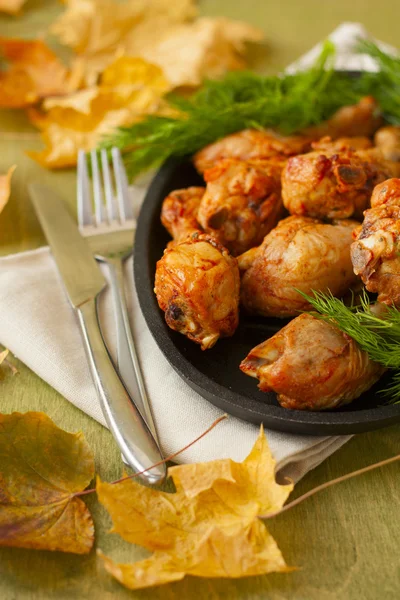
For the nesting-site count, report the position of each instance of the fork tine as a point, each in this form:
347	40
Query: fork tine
123	197
83	192
97	191
108	187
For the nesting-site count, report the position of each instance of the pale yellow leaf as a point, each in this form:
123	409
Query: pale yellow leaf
207	48
97	29
129	88
3	355
80	101
208	528
163	32
237	484
96	26
65	131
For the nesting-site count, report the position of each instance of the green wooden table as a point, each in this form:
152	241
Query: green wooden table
344	540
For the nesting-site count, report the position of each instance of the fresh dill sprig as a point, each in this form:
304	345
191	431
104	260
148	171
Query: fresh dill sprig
242	99
378	336
286	102
384	85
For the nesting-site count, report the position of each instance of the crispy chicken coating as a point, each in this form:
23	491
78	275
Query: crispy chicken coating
311	365
242	202
197	286
300	253
334	185
179	212
251	144
375	252
387	139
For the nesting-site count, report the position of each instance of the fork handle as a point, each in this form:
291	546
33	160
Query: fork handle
127	425
127	359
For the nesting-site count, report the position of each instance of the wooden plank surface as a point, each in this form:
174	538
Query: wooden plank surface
345	541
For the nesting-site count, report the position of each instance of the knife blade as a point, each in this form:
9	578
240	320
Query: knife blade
83	282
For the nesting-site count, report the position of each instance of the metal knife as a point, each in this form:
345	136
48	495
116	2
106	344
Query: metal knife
83	282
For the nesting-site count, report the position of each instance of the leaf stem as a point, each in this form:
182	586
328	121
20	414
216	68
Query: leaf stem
328	484
164	460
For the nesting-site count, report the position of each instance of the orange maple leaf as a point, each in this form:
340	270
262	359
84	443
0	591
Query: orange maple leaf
34	73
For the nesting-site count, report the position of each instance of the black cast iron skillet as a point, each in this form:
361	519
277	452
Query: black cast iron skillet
215	373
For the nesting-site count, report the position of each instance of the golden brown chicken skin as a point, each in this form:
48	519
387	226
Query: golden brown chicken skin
327	144
387	139
197	286
375	252
333	185
242	202
179	212
300	253
387	192
311	365
251	144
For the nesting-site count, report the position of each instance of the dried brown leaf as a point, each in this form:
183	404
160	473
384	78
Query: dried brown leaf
42	467
208	528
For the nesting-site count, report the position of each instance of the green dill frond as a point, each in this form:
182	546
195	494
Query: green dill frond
240	100
384	85
286	102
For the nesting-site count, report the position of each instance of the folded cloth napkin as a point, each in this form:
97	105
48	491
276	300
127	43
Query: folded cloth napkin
39	327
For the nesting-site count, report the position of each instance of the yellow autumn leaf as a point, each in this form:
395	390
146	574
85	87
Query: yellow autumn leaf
34	72
129	88
208	528
11	7
5	187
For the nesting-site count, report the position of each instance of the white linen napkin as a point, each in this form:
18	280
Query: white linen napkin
39	327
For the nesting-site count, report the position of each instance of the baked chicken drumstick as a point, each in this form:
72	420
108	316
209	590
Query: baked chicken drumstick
387	139
376	250
251	144
311	365
242	202
197	286
179	212
334	184
300	253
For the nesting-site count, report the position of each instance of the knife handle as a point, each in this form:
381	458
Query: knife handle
128	362
128	427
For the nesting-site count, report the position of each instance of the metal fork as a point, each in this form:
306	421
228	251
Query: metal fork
108	222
